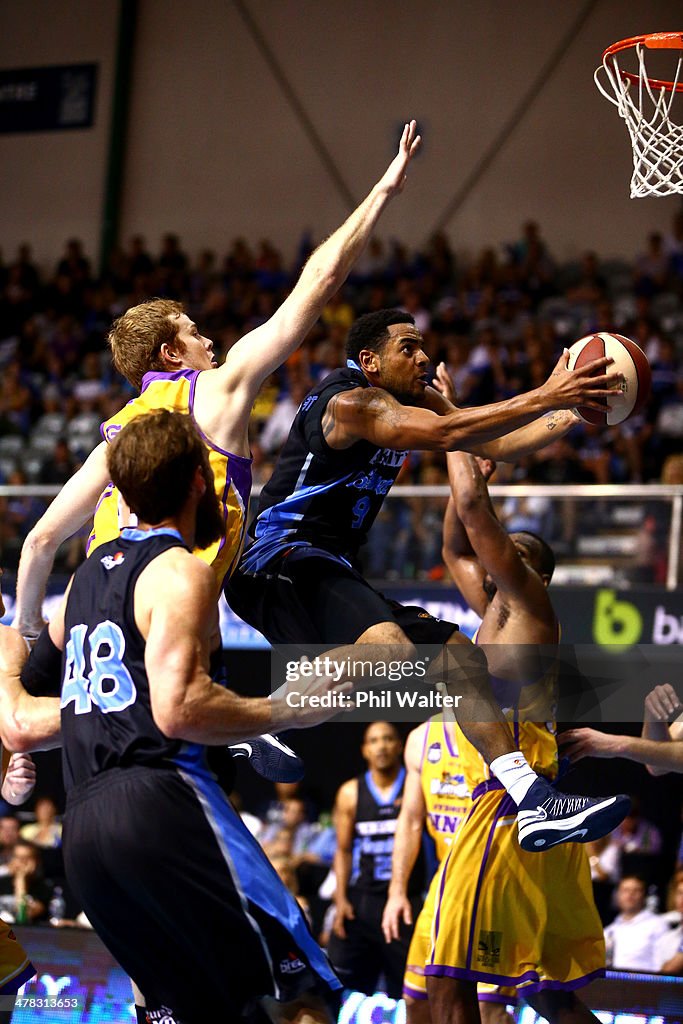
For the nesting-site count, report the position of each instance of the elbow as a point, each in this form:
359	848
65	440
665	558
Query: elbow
170	720
450	435
41	540
467	505
450	560
171	725
325	280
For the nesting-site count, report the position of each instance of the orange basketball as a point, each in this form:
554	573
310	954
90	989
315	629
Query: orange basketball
629	360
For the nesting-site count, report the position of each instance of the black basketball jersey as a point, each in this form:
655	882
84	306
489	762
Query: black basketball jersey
373	840
318	495
106	711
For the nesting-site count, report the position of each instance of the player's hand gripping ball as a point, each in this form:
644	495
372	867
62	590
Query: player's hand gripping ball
630	361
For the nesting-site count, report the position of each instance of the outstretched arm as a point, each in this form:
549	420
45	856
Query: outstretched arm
259	353
372	414
531	438
73	506
518	443
666	756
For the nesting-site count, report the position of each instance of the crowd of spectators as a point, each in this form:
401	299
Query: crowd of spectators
498	319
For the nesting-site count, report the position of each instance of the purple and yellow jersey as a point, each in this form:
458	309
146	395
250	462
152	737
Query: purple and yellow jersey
232	473
537	739
446	797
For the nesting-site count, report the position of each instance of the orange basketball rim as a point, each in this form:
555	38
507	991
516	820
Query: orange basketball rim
646	103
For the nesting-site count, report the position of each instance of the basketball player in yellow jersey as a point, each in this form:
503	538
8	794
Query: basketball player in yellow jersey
160	350
503	916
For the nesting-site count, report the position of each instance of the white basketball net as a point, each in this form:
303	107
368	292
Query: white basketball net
657	141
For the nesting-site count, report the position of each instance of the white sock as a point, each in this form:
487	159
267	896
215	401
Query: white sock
514	772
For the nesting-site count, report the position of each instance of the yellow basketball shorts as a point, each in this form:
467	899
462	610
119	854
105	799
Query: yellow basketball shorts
507	917
15	966
414	979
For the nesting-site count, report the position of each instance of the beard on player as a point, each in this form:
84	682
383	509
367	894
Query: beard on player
209	523
406	392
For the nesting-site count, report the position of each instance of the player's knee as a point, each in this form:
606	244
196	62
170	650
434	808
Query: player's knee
382	633
468	661
388	634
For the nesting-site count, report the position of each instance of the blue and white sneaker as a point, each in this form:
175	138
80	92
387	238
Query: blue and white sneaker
271	758
547	818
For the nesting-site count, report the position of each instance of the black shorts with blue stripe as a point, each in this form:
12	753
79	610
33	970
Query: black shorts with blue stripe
307	595
184	897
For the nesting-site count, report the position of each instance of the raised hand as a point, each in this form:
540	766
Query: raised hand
394	177
443	382
487	467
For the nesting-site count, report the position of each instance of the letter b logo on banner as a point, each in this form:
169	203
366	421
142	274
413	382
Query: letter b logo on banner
615	623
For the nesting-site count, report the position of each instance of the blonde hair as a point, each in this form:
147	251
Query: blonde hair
137	336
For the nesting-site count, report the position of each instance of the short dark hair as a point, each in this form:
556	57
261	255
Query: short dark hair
370	330
389	725
634	878
545	552
153	461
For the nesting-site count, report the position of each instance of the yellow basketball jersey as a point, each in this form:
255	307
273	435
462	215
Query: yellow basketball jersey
232	473
536	739
445	792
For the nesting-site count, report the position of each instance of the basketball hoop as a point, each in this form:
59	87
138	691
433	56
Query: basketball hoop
645	103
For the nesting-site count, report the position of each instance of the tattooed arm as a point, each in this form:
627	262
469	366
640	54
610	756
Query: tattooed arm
372	414
515	445
531	438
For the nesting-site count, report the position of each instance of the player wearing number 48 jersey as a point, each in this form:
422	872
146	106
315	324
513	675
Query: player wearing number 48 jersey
171	879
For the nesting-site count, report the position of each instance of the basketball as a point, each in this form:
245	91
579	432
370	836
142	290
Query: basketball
629	360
